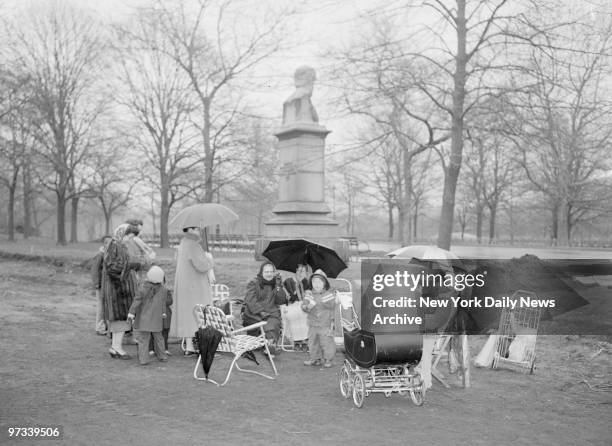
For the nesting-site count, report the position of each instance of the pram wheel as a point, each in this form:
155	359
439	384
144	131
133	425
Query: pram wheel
416	394
345	382
358	390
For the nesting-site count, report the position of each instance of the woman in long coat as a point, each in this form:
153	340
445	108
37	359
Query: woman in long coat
119	286
191	286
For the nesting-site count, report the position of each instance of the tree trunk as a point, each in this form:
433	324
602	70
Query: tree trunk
414	224
107	224
479	220
164	216
563	227
11	213
452	171
492	215
27	199
390	220
74	220
401	217
554	229
208	155
61	219
408	197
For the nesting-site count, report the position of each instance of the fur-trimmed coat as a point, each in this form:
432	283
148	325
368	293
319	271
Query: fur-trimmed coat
118	292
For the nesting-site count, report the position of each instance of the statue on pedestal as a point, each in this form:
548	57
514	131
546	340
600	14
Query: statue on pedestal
298	107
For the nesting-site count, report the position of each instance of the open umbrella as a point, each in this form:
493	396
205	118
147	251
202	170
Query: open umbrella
208	341
288	254
202	215
433	255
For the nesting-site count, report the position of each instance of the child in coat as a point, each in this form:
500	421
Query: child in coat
147	314
166	318
319	302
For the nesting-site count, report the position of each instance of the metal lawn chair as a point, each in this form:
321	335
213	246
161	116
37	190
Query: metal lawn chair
518	331
233	341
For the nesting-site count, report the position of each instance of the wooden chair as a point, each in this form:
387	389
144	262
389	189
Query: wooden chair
234	341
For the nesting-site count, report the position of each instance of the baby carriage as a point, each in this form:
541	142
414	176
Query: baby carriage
379	363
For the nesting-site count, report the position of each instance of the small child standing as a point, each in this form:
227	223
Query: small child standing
166	318
147	313
319	302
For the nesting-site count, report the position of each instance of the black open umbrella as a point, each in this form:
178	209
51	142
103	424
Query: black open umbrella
208	341
288	254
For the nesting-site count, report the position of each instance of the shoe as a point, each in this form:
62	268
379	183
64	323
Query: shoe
312	362
101	333
168	353
327	364
163	359
115	354
190	353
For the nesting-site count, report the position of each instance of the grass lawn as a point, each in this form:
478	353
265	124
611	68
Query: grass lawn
56	370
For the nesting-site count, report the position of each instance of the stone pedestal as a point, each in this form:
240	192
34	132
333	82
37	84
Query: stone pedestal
301	211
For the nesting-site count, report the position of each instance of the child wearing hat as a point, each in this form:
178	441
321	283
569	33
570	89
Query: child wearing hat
147	313
319	302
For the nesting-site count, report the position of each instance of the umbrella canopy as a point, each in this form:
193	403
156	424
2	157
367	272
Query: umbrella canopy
288	254
202	215
442	258
208	341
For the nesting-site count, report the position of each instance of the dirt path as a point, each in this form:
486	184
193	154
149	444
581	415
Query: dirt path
55	370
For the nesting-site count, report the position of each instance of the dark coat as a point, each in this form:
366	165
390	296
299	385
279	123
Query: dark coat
149	306
261	303
291	285
96	270
118	292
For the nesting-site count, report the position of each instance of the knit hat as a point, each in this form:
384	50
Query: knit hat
155	274
320	274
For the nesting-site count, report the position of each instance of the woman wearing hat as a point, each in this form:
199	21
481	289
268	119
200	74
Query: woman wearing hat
191	286
118	286
319	302
263	297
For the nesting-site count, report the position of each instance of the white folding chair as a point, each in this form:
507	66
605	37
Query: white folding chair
233	340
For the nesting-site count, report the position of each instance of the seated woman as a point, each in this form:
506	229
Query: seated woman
263	296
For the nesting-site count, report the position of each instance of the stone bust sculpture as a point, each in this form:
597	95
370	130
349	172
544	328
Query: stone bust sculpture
298	107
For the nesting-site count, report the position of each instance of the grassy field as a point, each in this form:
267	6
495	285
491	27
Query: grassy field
56	370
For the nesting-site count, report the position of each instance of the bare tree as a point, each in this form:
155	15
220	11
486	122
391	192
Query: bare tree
561	125
213	54
257	188
158	98
59	48
111	180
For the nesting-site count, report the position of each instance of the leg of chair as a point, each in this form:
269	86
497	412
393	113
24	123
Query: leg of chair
195	372
263	334
255	371
229	372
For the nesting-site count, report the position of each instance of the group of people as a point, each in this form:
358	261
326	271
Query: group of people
132	296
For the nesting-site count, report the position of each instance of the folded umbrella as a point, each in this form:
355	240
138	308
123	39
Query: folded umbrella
288	254
208	341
